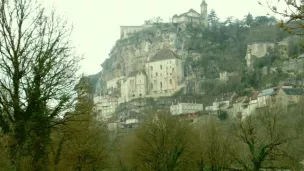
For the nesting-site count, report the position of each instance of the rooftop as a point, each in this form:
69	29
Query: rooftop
164	54
267	92
293	91
186	14
134	73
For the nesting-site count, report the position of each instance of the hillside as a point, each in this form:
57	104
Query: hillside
215	58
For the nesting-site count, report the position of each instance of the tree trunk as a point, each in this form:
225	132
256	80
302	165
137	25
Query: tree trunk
40	138
16	146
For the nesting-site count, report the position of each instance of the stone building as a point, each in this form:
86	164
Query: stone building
134	86
267	97
105	106
163	76
193	16
186	108
165	72
126	31
287	96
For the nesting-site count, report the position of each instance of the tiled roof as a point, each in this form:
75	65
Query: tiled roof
293	91
164	54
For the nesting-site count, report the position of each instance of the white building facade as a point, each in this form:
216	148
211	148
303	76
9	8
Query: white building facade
165	72
185	108
105	106
163	76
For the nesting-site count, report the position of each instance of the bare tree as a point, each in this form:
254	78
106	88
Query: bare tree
162	143
213	146
262	140
80	143
37	75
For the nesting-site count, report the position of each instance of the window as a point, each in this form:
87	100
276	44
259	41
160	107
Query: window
161	67
170	81
156	74
161	85
151	68
151	85
172	69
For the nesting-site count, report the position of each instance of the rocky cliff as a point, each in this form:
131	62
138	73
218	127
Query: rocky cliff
211	56
131	53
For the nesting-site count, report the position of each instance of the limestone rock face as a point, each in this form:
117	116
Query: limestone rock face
132	53
260	49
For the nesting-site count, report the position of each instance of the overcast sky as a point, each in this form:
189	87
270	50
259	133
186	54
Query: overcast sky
96	22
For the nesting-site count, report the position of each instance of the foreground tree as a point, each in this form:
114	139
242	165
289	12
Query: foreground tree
213	145
81	143
162	142
263	138
37	74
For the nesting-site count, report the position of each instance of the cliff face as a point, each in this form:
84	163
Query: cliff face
131	53
207	54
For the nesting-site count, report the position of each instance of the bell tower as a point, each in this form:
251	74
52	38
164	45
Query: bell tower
204	13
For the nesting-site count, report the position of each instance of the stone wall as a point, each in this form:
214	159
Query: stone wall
126	31
260	49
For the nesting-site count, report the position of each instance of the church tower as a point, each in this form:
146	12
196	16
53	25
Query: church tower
204	13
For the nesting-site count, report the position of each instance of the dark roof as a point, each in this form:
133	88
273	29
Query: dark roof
192	10
293	91
164	54
134	73
203	3
186	13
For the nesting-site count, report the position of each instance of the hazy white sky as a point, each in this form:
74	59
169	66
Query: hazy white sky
96	22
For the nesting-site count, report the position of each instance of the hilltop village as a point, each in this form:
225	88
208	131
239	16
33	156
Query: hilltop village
138	72
192	93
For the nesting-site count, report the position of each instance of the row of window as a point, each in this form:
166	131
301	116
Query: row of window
156	74
161	67
160	84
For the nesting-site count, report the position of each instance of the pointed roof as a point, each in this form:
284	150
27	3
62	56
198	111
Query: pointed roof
203	3
192	10
164	54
